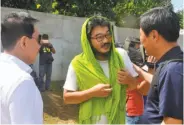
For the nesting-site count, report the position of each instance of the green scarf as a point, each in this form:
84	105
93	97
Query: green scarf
89	73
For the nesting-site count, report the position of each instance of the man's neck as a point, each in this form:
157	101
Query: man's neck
166	47
101	57
15	54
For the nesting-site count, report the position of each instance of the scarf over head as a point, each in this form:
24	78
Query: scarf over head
89	73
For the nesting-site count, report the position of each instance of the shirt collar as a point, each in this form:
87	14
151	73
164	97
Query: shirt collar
12	59
172	53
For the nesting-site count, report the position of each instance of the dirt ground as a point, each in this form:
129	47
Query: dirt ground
55	111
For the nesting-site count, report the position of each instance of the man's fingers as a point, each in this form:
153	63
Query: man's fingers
123	73
151	59
108	90
121	76
106	86
121	81
154	60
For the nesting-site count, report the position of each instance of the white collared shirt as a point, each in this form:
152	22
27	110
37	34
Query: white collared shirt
21	101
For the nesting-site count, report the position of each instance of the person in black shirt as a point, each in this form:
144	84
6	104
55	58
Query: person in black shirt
45	62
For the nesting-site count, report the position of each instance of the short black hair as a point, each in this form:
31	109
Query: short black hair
45	36
14	26
133	41
96	21
163	20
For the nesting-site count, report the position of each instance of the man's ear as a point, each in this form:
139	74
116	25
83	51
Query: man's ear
23	42
154	35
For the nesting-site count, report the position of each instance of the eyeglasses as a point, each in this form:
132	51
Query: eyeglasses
100	38
30	37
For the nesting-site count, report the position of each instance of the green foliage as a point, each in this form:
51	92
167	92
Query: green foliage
86	8
23	4
44	6
124	13
180	14
129	11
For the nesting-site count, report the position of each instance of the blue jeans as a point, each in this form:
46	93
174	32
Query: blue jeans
132	120
45	69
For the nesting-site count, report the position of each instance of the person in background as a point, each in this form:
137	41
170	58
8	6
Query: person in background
133	50
35	77
135	102
45	62
33	73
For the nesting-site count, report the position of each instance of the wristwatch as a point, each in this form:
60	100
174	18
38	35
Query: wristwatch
150	65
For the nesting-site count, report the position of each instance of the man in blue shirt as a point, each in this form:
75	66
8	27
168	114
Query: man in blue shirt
159	31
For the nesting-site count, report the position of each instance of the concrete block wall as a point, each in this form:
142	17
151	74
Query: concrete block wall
64	33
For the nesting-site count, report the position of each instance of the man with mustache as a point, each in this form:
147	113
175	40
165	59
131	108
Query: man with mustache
92	78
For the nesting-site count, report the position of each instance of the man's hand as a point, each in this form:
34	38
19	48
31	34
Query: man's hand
142	74
151	59
101	90
143	88
52	48
77	97
124	77
49	45
138	70
169	120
